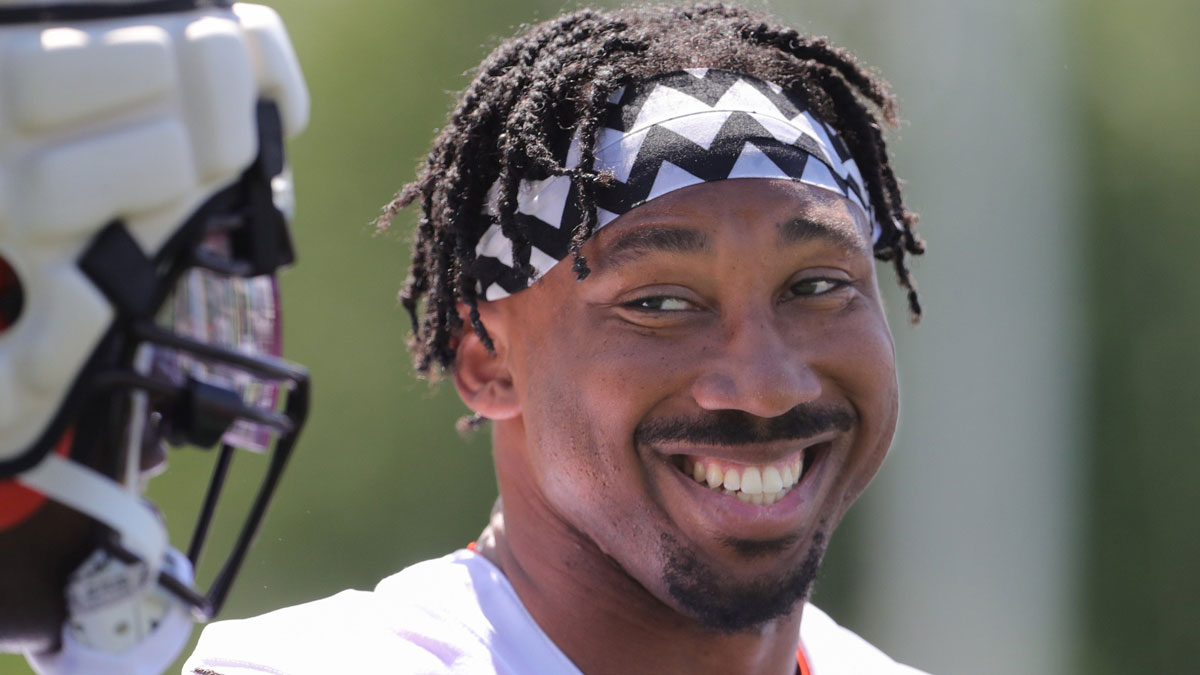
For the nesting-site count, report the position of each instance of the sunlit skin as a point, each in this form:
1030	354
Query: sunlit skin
755	295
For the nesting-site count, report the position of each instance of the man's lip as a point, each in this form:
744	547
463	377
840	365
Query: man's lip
755	453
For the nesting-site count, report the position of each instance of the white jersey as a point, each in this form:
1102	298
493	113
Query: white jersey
456	614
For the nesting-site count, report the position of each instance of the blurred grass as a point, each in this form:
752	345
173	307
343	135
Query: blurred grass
1139	84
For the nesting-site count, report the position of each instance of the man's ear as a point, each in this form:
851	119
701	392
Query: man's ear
482	376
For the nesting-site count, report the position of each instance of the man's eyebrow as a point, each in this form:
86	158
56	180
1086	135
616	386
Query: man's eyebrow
799	230
633	244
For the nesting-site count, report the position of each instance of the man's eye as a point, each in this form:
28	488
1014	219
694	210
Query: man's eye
660	303
818	286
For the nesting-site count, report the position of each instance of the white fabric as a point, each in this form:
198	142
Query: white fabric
831	649
456	614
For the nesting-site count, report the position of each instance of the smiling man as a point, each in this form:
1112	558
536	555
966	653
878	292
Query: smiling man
646	253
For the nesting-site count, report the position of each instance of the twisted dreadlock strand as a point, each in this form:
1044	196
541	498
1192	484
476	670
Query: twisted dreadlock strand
839	69
881	180
523	142
586	188
549	84
431	264
818	49
604	81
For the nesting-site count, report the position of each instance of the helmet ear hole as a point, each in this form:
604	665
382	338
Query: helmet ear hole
12	296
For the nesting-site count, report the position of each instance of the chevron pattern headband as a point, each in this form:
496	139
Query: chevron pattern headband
666	133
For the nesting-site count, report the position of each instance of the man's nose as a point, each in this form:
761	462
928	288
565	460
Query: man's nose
757	368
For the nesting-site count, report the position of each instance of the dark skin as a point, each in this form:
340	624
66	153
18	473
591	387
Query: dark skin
749	295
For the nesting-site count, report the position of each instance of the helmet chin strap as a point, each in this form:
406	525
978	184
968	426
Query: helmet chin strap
138	526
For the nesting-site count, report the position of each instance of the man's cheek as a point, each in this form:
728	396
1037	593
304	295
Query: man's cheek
561	423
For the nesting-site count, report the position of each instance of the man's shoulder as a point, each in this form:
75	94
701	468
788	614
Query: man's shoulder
437	616
347	632
831	649
353	631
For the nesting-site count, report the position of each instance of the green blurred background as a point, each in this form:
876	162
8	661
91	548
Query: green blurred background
1088	494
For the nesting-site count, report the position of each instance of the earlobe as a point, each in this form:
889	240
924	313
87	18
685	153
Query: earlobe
482	377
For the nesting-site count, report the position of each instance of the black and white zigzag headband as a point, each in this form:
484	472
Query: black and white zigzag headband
662	134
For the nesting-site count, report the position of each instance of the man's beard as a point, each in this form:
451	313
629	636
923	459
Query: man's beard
729	606
705	593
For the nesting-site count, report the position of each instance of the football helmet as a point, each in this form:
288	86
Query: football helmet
144	211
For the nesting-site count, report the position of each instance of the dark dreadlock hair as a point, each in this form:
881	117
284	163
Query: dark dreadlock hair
554	79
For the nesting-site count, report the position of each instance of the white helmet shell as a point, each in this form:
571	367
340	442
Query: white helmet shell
174	99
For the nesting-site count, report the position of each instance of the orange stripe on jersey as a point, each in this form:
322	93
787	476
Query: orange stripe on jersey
802	662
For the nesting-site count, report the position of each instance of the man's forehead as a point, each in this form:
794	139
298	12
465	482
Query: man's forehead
684	222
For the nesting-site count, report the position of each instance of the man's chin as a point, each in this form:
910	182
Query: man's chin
728	606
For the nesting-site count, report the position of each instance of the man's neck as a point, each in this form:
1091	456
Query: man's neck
605	621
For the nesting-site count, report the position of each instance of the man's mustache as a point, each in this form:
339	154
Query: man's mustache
734	427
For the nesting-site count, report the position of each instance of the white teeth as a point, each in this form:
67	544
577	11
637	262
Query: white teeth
714	476
752	484
771	480
752	481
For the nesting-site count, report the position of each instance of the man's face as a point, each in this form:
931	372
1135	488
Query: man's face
734	325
